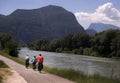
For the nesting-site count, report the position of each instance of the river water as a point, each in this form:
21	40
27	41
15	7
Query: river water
87	64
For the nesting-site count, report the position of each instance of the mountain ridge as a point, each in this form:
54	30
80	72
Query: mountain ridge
49	22
99	27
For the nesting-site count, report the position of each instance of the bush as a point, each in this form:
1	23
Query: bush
81	50
66	49
13	52
93	54
12	48
87	51
59	50
75	51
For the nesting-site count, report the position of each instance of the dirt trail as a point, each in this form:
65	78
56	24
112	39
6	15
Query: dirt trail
32	76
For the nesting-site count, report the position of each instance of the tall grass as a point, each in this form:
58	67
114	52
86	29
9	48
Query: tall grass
79	77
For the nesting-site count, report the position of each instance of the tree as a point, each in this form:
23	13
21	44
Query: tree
12	48
54	45
67	42
115	45
81	40
4	38
40	44
7	44
104	42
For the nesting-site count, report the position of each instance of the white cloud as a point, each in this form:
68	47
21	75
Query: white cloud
105	14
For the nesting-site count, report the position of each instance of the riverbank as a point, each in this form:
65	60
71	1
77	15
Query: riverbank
74	75
86	64
79	77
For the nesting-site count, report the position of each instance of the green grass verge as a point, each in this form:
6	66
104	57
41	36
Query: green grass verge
71	74
1	79
16	59
79	77
2	65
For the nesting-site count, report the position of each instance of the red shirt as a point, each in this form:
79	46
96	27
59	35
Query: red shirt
40	59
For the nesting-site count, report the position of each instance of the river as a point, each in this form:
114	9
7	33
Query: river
87	64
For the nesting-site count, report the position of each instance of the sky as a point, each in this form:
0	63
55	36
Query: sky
85	11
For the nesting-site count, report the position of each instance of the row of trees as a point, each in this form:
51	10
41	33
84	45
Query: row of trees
104	44
7	44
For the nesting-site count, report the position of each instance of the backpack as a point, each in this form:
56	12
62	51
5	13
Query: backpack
34	61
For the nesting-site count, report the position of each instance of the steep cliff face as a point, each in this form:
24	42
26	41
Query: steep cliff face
49	22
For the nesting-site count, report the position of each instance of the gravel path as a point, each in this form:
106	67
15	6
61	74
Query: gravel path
32	76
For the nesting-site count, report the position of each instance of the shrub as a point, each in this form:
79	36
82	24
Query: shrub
66	49
59	50
75	51
87	51
12	48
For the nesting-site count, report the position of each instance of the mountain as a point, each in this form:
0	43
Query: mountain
90	32
99	27
1	17
49	22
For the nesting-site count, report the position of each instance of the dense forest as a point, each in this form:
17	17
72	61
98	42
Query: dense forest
8	45
103	44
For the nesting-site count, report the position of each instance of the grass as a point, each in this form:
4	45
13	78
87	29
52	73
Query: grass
3	70
3	65
16	59
79	77
71	74
1	79
66	73
4	73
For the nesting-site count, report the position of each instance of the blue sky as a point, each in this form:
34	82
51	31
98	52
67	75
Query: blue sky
78	7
